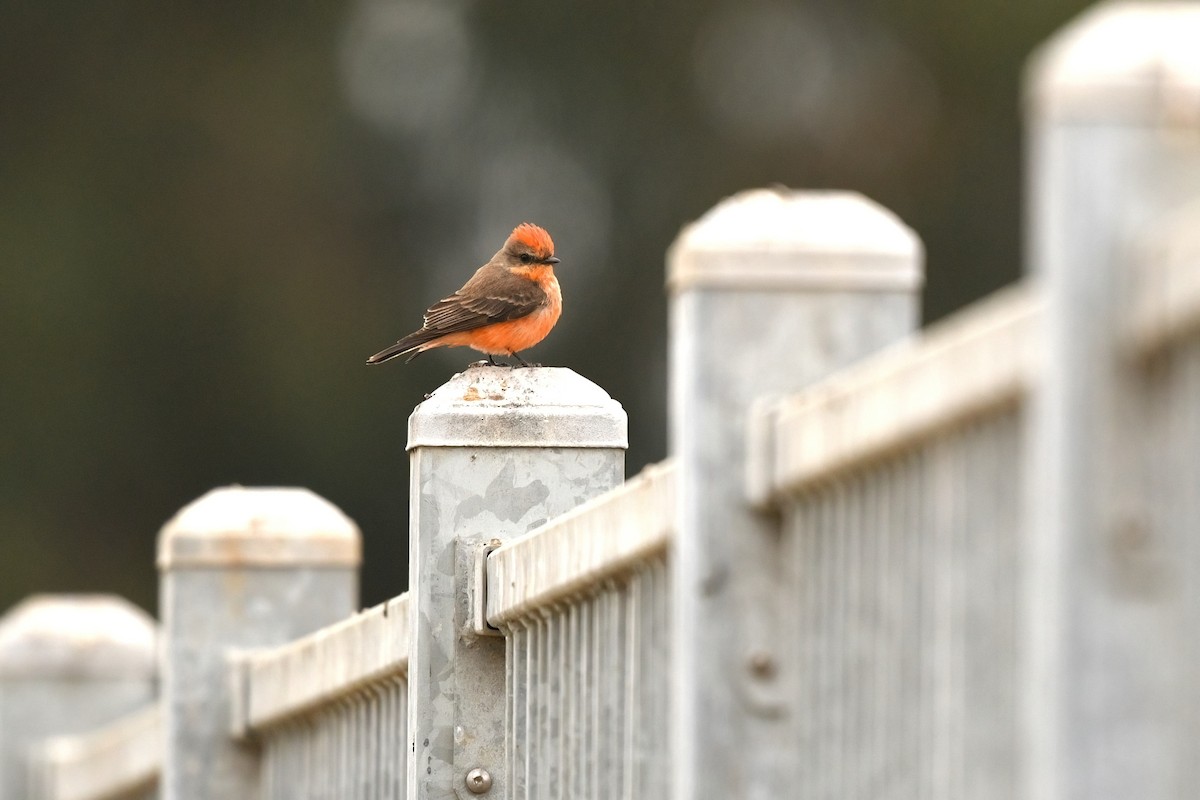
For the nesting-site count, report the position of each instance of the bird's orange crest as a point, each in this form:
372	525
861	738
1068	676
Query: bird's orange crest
534	238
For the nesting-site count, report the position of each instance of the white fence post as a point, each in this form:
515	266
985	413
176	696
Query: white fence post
1114	134
770	291
67	664
494	453
240	568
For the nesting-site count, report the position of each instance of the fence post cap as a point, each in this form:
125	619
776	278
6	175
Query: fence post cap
779	238
1131	61
52	636
485	406
237	526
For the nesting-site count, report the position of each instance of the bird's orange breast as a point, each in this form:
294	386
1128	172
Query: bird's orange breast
515	335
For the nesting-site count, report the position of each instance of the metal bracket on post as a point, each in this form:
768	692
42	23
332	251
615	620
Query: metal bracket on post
760	451
477	601
761	684
237	667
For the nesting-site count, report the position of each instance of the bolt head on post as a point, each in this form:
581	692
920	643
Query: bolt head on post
479	781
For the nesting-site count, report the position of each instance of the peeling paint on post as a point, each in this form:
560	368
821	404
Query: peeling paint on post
495	452
240	568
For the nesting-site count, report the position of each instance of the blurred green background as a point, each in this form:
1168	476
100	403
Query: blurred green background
211	213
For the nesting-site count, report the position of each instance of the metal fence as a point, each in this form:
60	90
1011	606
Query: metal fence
901	527
583	603
330	711
906	613
960	563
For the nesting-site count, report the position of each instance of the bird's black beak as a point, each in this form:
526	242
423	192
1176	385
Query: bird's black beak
551	260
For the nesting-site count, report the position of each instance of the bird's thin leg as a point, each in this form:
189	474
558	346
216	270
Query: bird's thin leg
492	360
524	363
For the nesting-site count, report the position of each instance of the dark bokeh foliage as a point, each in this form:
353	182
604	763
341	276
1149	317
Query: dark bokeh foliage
210	213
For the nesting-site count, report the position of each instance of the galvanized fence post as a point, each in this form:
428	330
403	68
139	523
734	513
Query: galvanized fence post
1114	139
241	567
68	663
494	452
770	291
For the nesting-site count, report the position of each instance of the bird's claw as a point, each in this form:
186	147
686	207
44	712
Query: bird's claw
522	361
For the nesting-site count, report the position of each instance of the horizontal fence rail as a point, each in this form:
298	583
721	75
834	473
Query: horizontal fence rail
119	761
606	537
331	709
583	603
982	358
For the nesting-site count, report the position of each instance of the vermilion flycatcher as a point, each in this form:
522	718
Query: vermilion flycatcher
509	305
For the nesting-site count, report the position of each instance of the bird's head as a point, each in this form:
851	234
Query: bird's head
528	246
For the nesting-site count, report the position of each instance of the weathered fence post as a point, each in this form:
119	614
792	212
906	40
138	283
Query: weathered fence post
770	291
240	568
67	664
494	453
1114	135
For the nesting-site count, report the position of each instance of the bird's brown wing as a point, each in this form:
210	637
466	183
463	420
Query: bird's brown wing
487	298
492	295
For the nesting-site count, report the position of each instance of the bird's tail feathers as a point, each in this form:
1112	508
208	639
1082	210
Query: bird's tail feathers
388	354
412	346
